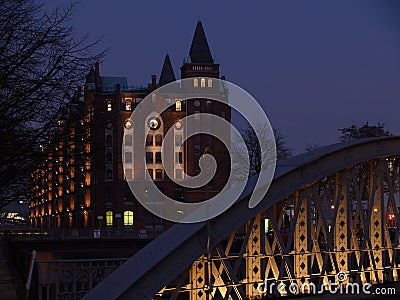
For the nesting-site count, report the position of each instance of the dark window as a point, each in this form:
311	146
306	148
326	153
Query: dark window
128	157
108	196
128	140
150	173
197	149
108	140
109	174
149	157
179	195
178	157
158	157
159	174
158	140
149	140
109	157
178	140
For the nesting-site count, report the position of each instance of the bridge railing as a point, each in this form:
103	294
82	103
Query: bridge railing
81	233
72	279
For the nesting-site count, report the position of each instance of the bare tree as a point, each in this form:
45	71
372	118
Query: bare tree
42	62
253	151
312	147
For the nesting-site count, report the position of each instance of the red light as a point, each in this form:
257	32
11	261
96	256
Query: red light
391	217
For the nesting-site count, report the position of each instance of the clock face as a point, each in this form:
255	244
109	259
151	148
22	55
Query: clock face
109	125
154	123
128	124
197	103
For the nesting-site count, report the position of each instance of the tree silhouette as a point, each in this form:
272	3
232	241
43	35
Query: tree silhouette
42	62
365	131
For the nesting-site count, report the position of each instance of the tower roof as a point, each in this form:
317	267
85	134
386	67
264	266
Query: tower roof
167	72
199	50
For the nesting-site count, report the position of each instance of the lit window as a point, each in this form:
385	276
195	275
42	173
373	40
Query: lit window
159	174
209	83
178	105
128	104
158	140
128	124
178	125
109	218
195	82
128	218
109	105
128	174
178	157
149	157
203	82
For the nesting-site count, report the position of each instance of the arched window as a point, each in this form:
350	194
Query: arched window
203	82
209	83
195	82
128	218
109	218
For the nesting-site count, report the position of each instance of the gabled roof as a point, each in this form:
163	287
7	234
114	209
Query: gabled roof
167	72
199	50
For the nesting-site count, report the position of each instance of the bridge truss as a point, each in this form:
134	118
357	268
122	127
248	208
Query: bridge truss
330	217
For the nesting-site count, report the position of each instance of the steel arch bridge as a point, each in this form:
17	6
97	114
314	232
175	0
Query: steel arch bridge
333	210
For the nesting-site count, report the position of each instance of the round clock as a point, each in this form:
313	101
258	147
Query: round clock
154	123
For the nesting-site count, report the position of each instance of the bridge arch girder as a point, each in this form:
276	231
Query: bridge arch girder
173	253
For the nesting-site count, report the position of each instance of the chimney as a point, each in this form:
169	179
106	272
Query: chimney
153	80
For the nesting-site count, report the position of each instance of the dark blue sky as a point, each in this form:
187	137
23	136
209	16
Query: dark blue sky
315	66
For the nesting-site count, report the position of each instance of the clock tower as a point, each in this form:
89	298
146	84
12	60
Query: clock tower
200	62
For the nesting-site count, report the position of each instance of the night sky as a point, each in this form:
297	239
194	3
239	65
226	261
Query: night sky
315	66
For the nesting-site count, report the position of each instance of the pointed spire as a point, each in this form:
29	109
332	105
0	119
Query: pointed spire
167	72
199	50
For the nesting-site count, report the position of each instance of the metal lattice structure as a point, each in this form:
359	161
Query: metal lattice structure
332	211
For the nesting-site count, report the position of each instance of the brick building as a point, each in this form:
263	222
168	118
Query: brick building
81	181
